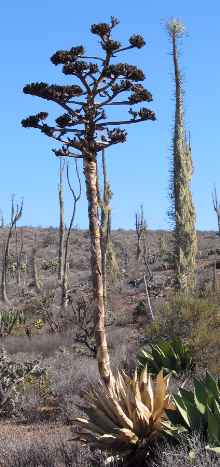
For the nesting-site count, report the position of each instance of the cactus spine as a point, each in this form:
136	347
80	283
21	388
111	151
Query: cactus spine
182	209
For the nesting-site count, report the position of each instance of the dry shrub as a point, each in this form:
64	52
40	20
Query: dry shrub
191	452
45	447
197	320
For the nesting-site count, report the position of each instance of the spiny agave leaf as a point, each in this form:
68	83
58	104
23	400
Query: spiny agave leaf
89	426
217	410
98	416
212	385
151	393
105	405
182	408
127	435
158	356
160	394
187	395
213	428
200	396
193	415
123	420
172	430
216	449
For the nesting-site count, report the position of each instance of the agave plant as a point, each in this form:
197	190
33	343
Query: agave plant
199	410
9	319
129	416
174	357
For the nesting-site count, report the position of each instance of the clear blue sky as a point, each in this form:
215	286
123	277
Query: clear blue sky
31	31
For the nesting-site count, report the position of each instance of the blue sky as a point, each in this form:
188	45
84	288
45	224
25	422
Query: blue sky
32	31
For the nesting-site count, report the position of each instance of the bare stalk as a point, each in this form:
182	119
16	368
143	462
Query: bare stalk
76	198
16	213
62	222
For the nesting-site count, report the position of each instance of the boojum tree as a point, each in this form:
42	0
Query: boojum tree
182	208
84	131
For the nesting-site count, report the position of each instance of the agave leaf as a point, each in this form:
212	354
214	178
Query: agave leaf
89	427
200	396
217	410
216	449
160	394
99	417
213	428
123	420
182	408
151	393
144	412
212	385
187	395
127	436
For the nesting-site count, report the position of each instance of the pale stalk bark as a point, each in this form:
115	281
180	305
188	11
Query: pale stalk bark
90	172
62	224
34	267
76	198
109	261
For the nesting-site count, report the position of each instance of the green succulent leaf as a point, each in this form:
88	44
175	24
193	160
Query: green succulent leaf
200	396
213	428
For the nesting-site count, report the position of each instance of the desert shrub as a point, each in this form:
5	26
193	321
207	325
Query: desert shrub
193	319
39	345
50	238
12	374
46	448
191	451
69	374
50	265
140	309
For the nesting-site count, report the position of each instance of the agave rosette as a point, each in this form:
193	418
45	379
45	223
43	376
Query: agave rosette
130	414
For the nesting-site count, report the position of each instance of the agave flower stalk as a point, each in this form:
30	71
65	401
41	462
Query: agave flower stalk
84	130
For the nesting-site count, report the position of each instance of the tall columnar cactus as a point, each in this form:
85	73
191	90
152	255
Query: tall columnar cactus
182	208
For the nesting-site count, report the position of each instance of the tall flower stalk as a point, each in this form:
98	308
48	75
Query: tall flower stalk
182	208
84	131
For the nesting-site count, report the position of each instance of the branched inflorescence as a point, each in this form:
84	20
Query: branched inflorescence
100	84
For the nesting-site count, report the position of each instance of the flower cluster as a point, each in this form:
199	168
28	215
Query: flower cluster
117	135
64	120
139	94
126	70
146	114
143	114
101	29
137	41
53	92
110	45
33	120
123	85
65	56
47	130
79	67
